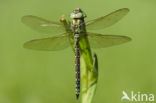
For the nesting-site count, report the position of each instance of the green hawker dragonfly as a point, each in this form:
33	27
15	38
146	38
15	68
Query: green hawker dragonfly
75	33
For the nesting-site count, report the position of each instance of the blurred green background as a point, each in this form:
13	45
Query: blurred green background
28	76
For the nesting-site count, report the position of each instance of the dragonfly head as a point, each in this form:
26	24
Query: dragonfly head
77	13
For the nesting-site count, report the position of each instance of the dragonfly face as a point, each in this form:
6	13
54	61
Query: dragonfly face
77	13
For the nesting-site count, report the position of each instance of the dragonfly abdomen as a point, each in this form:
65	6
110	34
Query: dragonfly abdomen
77	64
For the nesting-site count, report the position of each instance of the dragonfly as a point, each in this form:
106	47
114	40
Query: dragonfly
74	32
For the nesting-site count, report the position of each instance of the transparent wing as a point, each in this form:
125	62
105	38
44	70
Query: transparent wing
48	44
108	20
103	41
42	25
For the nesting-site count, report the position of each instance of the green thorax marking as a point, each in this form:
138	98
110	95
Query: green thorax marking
78	26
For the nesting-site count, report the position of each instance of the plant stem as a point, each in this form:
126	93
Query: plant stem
89	77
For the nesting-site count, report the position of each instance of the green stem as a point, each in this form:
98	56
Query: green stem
89	77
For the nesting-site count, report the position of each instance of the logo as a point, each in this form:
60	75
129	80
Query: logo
140	97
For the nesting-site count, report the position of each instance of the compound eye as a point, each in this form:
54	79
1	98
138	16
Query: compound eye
77	10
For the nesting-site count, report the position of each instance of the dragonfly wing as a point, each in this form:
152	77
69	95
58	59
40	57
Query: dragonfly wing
108	20
42	25
48	44
103	41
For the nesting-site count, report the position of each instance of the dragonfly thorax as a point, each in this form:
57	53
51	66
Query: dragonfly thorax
77	26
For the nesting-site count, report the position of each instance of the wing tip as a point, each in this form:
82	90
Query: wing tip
24	17
126	9
129	39
26	46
